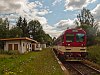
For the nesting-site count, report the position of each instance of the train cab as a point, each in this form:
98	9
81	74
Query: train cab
71	45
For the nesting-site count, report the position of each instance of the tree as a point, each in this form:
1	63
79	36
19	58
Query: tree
22	24
15	32
47	39
19	23
86	20
25	28
6	23
4	28
54	38
35	30
86	17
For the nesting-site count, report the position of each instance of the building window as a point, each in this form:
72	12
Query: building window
9	46
15	46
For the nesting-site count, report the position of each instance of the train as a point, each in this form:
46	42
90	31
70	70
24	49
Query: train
71	45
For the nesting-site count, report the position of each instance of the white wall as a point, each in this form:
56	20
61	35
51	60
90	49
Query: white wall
12	42
21	48
43	45
38	47
26	46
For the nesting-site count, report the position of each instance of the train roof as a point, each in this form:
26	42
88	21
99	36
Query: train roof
73	30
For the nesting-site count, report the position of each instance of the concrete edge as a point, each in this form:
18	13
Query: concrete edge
66	72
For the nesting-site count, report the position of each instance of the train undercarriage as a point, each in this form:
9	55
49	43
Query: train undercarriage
70	56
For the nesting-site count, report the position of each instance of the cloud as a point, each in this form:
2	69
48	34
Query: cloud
48	28
9	6
59	27
12	9
55	2
52	30
42	20
77	4
64	24
44	12
96	12
22	8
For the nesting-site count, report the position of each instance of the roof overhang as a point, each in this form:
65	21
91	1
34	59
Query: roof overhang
23	38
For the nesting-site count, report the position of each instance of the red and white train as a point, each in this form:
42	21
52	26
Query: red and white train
71	45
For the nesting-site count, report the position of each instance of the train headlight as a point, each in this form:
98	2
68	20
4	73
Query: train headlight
68	44
83	45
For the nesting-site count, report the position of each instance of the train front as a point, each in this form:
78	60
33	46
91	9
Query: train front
75	44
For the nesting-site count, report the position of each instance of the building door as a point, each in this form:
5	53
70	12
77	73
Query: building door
9	46
33	46
15	46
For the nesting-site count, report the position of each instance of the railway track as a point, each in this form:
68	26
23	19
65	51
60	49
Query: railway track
78	68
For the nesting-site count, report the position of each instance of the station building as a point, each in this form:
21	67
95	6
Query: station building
23	45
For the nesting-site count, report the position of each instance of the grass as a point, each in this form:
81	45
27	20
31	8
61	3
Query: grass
94	53
33	63
97	38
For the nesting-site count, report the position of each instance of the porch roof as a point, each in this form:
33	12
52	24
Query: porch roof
22	38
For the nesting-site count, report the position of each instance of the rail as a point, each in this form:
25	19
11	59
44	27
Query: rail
83	69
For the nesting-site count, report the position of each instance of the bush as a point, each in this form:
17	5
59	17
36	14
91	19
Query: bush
10	52
13	52
3	52
94	54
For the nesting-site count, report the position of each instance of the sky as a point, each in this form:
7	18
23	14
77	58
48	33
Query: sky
54	15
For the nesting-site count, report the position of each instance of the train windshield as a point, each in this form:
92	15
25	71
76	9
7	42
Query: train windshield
69	37
79	37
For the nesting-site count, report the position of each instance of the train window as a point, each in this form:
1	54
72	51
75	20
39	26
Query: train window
79	37
69	37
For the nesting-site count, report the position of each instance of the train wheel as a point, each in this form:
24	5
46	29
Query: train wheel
61	58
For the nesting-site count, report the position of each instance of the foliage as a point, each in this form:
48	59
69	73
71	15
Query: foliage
33	63
10	52
94	53
15	32
98	34
4	29
6	23
54	38
33	29
37	33
87	23
22	25
48	39
19	23
86	17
